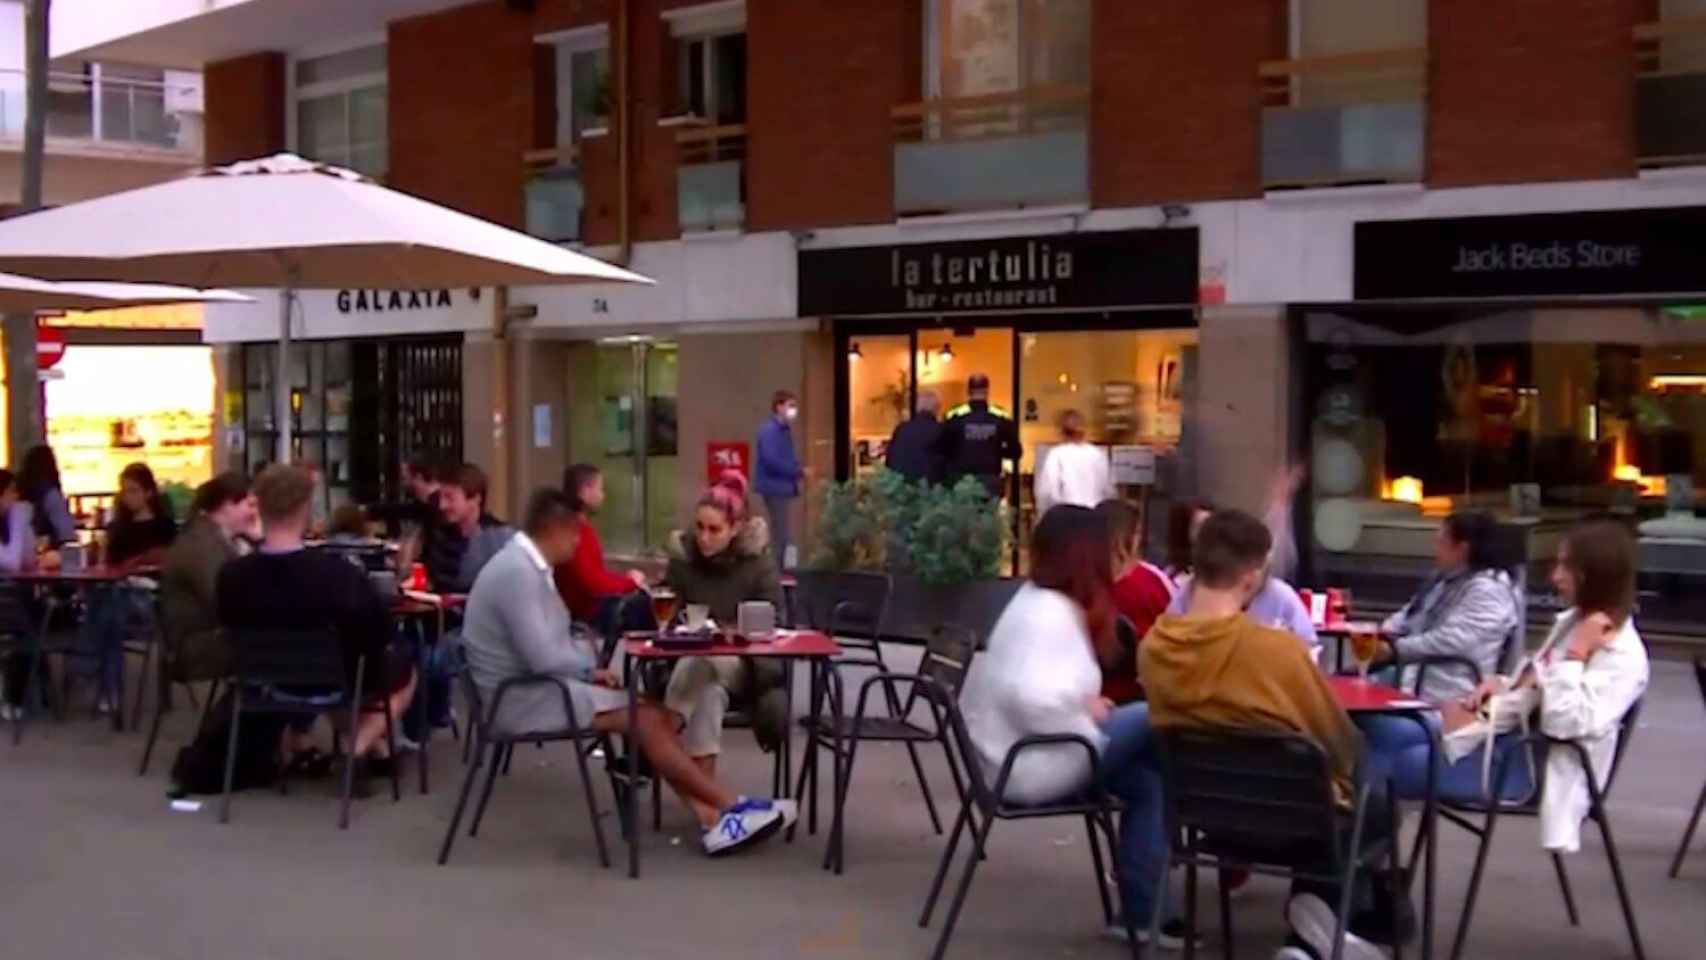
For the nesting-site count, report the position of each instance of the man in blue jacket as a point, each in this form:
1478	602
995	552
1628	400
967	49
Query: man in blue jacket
776	470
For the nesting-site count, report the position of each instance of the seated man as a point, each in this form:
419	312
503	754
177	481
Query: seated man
516	624
467	537
285	586
1215	666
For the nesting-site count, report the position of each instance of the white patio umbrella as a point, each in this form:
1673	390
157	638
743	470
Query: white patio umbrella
18	294
289	223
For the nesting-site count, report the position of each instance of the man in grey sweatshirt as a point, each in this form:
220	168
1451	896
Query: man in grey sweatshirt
516	626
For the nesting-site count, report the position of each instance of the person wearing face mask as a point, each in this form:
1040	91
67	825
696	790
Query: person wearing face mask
722	563
222	513
777	474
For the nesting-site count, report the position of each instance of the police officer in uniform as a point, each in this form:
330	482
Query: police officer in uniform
976	439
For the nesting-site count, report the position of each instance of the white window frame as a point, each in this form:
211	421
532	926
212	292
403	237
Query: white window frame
703	24
589	39
296	93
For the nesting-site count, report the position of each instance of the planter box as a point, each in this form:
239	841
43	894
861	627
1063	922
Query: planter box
915	610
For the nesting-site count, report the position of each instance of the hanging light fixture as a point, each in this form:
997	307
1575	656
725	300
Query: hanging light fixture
854	353
947	353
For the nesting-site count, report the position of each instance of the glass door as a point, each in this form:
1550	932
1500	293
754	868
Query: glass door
623	421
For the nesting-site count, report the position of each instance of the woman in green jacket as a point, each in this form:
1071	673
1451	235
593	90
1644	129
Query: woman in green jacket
724	562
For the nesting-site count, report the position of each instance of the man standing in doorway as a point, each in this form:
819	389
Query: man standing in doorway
915	450
776	470
976	440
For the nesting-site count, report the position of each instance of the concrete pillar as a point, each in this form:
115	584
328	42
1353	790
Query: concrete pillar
1243	403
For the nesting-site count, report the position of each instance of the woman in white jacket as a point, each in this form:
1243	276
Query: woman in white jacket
1075	471
1040	675
1589	673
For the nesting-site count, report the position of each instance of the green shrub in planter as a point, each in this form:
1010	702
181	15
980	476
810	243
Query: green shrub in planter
852	528
958	535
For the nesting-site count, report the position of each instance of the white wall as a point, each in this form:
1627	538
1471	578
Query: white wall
317	317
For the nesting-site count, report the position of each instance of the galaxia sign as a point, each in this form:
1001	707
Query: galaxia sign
1059	271
390	301
1559	254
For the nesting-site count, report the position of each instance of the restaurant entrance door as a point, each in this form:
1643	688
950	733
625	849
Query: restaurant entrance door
624	423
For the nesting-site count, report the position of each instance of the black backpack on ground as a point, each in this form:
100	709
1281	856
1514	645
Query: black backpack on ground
200	767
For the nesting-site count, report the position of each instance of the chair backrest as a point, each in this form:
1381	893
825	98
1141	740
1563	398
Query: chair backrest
948	656
288	657
947	711
1625	733
862	597
1516	642
1260	790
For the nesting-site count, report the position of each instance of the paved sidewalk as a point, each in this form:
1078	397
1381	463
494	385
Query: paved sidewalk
97	865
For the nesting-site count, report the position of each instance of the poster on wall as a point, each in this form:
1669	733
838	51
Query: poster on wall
722	456
1133	465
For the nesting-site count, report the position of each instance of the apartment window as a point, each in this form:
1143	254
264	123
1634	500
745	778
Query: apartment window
710	61
583	85
340	109
984	47
1329	28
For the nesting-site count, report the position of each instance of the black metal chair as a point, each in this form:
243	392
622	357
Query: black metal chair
34	645
1537	746
494	747
1094	805
946	659
852	607
168	670
271	668
1263	802
1700	804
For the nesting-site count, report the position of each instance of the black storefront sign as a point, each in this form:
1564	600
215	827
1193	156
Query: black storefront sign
1072	271
1614	252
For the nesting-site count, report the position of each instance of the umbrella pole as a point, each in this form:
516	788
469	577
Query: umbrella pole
281	377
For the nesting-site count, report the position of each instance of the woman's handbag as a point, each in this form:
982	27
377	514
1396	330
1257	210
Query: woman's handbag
1506	711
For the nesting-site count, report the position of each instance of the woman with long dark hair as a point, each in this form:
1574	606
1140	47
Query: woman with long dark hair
39	486
137	537
1041	674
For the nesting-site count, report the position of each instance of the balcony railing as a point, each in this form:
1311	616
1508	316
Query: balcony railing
1670	92
1022	149
710	180
109	110
1344	120
555	197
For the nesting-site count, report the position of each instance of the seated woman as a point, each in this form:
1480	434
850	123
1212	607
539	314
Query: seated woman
141	529
283	585
17	554
724	563
1140	594
1467	609
222	512
516	624
1591	669
1039	675
593	592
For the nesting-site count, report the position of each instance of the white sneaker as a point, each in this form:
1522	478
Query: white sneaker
1313	922
744	824
9	713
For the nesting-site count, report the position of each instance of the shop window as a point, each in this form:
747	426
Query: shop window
1539	417
339	114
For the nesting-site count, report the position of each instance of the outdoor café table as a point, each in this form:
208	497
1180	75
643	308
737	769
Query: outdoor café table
817	649
1361	697
414	610
80	580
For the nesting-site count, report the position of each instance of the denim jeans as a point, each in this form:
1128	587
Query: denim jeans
1132	772
112	615
1398	749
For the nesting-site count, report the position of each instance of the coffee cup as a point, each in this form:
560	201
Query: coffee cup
695	617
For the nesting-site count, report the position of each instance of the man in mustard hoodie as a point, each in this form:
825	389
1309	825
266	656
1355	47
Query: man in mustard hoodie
1213	666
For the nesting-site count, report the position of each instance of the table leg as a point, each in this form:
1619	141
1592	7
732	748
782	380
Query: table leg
422	696
786	747
1430	823
631	673
838	780
814	744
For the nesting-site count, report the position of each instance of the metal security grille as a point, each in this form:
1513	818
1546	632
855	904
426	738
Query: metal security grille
421	381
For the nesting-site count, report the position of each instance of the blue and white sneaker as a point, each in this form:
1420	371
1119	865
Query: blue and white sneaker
742	825
789	809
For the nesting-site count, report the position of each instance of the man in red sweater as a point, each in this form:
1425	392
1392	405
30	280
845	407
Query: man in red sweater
592	591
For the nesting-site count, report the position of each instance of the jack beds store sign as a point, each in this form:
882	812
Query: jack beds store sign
1656	251
1072	271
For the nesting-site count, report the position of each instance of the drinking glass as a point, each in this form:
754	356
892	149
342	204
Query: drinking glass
1365	643
664	602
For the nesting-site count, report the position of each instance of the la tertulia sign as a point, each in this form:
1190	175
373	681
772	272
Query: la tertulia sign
389	301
